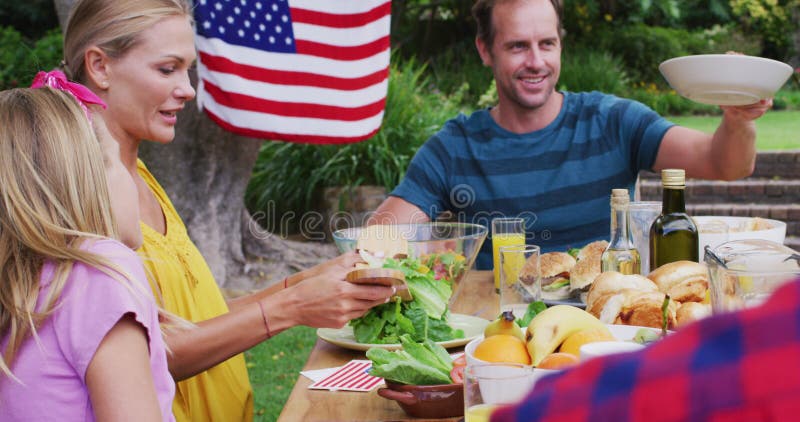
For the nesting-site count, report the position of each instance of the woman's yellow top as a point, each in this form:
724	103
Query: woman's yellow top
187	288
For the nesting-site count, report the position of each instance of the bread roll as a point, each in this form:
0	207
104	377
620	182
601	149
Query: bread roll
584	272
692	311
633	307
593	250
613	282
683	281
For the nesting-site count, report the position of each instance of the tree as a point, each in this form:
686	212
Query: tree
205	171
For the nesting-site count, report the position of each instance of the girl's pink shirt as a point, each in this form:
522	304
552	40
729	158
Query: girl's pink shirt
53	369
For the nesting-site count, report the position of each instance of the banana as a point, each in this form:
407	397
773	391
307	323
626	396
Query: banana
550	327
504	324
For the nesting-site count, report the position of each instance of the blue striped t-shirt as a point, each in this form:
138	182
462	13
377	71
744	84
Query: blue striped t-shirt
558	178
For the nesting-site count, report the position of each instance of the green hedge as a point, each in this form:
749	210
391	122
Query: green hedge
21	59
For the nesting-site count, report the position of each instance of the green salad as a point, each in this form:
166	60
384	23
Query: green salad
424	318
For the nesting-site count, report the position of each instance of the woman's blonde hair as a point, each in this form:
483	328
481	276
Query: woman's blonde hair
114	26
53	197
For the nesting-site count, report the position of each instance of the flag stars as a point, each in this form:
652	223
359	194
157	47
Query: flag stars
203	2
285	18
241	33
262	27
221	29
259	6
271	40
252	14
257	37
237	10
268	17
288	40
243	2
213	15
274	7
206	25
230	20
278	29
247	24
218	6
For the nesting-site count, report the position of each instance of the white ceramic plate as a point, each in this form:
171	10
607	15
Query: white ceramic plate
725	79
572	301
473	327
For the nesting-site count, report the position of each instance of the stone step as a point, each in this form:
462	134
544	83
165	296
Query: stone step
769	165
790	214
763	191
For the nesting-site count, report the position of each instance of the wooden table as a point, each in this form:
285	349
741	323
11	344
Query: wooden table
474	296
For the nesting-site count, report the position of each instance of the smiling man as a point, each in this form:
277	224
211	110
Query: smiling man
552	156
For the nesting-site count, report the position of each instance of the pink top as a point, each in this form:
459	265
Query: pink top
54	373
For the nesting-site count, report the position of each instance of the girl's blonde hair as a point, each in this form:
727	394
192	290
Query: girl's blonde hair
53	197
113	26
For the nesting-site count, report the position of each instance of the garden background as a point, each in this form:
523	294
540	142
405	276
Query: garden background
610	46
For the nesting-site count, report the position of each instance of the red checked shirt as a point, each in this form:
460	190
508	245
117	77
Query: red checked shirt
742	366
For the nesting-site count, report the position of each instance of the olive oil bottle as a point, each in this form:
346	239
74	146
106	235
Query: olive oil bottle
673	235
620	255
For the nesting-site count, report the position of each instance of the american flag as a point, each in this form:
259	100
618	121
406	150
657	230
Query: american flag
311	71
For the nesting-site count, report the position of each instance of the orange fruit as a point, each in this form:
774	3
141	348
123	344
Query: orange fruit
573	343
503	348
558	360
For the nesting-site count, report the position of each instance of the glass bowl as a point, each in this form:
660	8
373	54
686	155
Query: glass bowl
425	239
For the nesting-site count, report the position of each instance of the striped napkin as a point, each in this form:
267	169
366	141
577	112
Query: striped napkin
351	377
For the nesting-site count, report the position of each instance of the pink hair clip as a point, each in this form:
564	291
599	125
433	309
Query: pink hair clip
57	80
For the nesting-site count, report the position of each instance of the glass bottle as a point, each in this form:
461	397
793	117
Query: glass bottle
620	255
673	235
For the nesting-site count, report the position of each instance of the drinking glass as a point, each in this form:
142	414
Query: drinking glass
517	290
641	215
487	386
505	232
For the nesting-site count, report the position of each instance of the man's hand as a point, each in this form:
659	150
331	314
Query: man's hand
747	113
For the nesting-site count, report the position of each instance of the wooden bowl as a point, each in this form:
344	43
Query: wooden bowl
426	401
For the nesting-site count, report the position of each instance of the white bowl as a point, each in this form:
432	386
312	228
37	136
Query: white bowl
603	348
725	79
469	352
708	231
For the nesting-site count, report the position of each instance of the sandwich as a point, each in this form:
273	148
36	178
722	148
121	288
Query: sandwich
375	244
634	307
554	271
683	281
612	282
692	311
588	267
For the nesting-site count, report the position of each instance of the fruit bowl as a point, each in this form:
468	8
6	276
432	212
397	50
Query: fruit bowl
725	79
426	401
463	239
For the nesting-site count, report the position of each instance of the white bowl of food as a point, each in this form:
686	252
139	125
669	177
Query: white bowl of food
716	230
725	79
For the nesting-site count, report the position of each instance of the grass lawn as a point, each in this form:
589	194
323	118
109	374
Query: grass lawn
274	366
777	130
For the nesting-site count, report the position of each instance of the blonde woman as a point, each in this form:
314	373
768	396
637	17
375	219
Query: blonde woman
136	56
79	330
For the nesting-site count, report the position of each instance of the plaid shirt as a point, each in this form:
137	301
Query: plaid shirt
742	366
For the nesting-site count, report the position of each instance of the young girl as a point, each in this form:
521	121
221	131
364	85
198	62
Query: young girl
79	331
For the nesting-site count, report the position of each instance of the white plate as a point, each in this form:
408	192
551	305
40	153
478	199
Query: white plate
572	301
343	337
725	79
